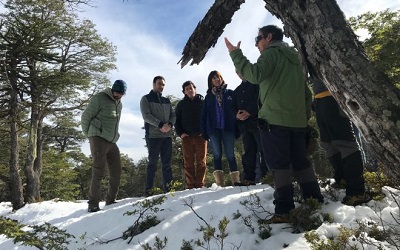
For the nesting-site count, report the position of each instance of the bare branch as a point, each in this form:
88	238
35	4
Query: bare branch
209	30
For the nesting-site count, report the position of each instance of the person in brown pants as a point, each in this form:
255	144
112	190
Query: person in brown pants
187	126
100	122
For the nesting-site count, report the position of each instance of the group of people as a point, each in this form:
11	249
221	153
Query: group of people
270	109
197	121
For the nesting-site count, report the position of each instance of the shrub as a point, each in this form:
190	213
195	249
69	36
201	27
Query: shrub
43	236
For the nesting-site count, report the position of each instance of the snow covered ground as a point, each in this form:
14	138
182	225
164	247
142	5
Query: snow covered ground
179	223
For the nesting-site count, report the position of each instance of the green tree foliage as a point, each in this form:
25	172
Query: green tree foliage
130	177
59	180
83	169
63	134
52	58
43	236
382	43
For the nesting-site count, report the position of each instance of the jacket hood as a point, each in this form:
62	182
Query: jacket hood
108	92
288	52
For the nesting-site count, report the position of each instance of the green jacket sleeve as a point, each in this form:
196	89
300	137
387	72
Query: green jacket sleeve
253	72
89	113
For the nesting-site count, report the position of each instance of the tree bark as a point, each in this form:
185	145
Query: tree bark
15	184
32	175
209	30
330	51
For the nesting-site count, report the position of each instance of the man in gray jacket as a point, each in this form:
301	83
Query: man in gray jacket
100	122
159	118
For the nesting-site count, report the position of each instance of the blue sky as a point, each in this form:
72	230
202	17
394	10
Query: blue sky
150	36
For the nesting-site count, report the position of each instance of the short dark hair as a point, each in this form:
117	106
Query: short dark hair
187	83
158	78
277	33
210	77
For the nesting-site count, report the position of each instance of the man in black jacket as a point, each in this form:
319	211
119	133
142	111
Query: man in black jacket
187	126
245	106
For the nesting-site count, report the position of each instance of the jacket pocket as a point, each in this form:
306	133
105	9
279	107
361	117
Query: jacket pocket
97	124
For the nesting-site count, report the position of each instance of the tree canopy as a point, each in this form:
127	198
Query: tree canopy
51	57
382	42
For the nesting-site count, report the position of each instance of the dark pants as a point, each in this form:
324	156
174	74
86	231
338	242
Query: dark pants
194	149
253	155
338	140
285	153
104	154
159	147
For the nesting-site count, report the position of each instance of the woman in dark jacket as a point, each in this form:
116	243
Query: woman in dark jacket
219	125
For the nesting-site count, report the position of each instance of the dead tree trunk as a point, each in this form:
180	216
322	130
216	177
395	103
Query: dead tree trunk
329	50
209	30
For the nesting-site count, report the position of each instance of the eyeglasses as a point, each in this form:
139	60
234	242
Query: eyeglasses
258	38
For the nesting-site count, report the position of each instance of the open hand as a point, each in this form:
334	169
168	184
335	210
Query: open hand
230	46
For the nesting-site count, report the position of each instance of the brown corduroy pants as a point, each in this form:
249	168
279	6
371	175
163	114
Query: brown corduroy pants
194	150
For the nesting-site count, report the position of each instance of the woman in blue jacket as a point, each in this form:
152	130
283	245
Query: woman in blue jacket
219	125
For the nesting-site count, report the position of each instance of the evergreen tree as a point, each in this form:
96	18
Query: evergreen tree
53	58
382	42
58	179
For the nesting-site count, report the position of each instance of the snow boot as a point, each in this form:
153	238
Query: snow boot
219	177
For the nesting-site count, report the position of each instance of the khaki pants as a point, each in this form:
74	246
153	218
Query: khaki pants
194	150
104	154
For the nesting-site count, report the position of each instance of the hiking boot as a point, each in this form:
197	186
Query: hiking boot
93	208
339	184
244	183
110	202
356	200
277	219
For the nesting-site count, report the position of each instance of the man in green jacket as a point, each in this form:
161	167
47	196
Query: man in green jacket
100	122
284	112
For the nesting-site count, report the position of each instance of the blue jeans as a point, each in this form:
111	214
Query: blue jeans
159	147
228	139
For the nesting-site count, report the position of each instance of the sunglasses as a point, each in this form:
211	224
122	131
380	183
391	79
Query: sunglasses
258	38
